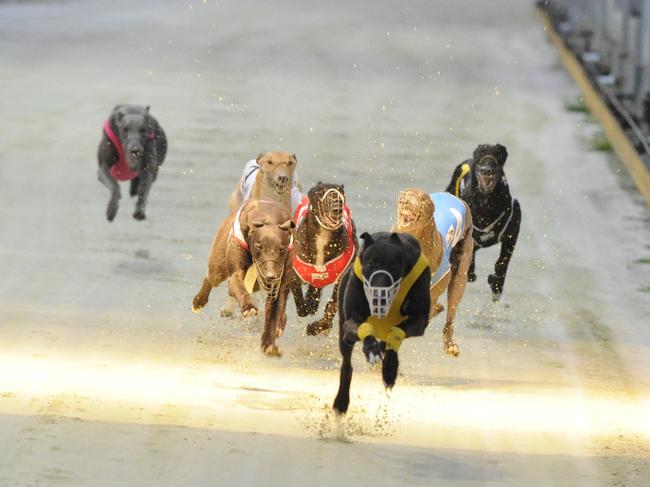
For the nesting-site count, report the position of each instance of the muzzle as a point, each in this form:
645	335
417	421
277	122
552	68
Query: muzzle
380	298
409	212
487	174
329	209
271	287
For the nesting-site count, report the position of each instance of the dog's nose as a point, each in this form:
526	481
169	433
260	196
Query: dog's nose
136	152
283	179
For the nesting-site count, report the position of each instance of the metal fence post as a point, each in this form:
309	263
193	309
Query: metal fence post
640	74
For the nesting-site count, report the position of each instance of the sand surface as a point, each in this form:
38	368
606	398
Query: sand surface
107	378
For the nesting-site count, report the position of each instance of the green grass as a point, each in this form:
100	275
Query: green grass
577	106
645	289
643	260
600	143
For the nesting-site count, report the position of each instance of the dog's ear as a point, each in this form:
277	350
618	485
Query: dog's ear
259	156
480	151
295	159
394	239
288	226
501	154
146	111
367	240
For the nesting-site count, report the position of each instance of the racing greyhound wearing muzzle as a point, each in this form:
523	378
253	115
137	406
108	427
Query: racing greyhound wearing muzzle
383	299
326	245
482	184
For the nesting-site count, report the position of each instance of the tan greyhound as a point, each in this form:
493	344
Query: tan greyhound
442	224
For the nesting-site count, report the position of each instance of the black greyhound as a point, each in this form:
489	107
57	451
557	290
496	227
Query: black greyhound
383	298
133	147
482	184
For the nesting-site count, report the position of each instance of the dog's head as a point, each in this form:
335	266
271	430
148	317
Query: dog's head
326	203
414	210
383	264
278	169
488	161
269	232
134	129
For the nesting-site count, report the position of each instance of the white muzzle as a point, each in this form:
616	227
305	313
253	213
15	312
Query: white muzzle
380	298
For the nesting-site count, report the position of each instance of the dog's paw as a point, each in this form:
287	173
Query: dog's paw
372	350
496	284
319	327
341	404
139	215
471	277
452	349
248	310
437	309
271	350
389	368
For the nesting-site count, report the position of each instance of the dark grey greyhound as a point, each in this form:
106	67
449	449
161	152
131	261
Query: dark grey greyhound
132	148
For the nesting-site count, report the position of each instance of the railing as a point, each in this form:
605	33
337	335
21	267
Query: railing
611	39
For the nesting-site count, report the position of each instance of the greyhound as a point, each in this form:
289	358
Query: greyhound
383	299
326	244
482	184
253	249
132	148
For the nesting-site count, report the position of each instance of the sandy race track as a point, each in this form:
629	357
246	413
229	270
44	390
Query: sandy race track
107	378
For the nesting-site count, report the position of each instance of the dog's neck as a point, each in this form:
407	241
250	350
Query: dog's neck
430	243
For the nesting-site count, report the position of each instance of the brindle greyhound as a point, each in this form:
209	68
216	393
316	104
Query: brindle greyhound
326	244
253	248
133	147
444	231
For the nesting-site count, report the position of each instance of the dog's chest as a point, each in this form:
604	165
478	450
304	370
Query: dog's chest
320	243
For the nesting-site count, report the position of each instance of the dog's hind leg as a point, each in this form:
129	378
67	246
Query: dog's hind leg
104	175
508	242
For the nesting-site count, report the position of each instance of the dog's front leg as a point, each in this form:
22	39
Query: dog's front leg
104	175
325	323
312	299
238	291
342	400
144	186
508	242
296	290
274	314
